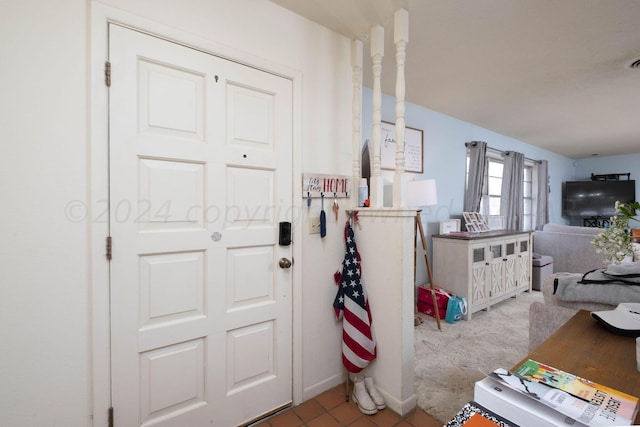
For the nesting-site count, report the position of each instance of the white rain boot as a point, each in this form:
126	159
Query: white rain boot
374	393
362	398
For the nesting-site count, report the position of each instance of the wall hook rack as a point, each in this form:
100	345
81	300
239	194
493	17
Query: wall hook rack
317	185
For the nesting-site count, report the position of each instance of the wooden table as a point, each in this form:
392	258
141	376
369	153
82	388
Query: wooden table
584	347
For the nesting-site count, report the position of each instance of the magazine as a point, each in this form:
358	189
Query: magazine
463	233
475	415
606	397
584	412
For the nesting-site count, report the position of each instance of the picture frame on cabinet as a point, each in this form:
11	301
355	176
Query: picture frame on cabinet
472	227
449	225
469	217
475	222
482	223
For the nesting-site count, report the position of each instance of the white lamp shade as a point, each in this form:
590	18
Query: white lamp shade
422	193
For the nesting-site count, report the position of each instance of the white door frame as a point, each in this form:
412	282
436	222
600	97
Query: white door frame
101	16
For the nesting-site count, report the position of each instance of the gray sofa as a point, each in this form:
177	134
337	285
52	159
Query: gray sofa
569	246
572	252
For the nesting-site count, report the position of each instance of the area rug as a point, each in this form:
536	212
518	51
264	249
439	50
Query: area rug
448	363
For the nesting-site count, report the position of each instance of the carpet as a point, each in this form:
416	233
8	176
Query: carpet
448	363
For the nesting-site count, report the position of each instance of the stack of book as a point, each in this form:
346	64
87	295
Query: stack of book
475	415
538	395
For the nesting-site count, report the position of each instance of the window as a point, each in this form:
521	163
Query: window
492	189
490	204
528	219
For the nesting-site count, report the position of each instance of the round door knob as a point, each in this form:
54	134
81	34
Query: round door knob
285	263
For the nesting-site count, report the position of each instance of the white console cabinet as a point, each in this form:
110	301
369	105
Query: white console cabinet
483	268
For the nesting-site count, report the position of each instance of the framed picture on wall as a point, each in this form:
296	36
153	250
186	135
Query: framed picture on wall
413	148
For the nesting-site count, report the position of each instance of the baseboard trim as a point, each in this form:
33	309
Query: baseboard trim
402	407
322	386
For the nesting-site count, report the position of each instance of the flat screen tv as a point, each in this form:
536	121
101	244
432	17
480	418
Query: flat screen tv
595	198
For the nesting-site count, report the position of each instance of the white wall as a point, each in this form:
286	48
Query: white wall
45	296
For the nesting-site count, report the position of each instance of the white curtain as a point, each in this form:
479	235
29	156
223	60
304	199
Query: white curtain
511	201
477	164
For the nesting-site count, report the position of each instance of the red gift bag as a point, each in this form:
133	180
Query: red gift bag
425	302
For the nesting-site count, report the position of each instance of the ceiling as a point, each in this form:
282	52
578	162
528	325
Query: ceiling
552	73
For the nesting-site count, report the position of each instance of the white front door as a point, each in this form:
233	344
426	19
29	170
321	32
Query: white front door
200	177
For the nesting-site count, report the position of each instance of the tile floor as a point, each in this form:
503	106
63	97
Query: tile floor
330	409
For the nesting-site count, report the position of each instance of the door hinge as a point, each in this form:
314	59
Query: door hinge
110	420
107	73
109	248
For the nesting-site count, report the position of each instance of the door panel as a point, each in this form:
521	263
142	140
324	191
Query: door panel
180	365
171	100
200	177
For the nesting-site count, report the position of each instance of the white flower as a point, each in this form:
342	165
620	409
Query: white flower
615	242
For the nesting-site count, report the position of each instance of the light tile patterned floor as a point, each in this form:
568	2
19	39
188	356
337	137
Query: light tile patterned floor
330	409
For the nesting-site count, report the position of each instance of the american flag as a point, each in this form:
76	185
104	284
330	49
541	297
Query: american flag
351	304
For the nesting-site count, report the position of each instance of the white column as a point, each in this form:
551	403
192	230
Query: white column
385	242
356	66
400	38
376	186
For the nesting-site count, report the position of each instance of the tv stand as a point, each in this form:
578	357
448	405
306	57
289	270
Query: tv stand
596	221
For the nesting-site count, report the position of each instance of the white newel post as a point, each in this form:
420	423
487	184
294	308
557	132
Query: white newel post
400	38
376	186
356	66
385	240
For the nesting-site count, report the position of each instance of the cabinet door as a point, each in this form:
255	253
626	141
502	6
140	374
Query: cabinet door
479	270
524	264
510	265
496	269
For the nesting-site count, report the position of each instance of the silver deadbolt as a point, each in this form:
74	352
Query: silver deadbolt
285	263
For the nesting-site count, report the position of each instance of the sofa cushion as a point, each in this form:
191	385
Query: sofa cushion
579	288
572	229
550	297
570	247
